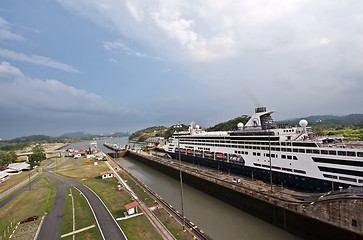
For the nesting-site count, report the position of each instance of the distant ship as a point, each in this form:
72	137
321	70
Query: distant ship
298	159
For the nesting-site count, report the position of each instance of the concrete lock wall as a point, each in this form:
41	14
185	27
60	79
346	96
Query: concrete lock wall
297	221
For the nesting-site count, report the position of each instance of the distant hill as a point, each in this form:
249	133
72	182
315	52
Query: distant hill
120	134
29	138
331	118
156	131
229	125
77	135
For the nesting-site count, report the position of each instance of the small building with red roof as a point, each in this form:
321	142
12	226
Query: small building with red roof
131	208
78	154
106	174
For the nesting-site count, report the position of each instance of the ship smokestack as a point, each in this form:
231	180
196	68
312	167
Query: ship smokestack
260	109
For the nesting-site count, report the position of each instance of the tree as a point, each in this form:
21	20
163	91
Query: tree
38	149
7	158
36	158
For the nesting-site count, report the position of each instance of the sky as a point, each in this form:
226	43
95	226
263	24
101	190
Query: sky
103	66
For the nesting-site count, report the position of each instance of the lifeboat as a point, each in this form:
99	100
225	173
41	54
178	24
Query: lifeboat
221	155
208	154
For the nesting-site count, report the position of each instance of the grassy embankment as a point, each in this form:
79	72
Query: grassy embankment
59	162
173	225
29	203
83	217
46	181
135	228
86	169
13	180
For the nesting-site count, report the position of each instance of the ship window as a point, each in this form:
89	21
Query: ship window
332	153
341	153
341	171
289	157
360	154
258	154
309	151
256	164
316	151
283	156
254	154
348	179
278	168
354	223
294	157
330	176
302	150
352	154
295	150
289	150
299	171
287	169
360	180
324	152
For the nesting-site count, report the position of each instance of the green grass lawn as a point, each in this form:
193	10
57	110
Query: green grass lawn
67	217
68	164
139	228
13	180
59	162
46	181
87	169
149	201
29	203
173	225
83	215
107	190
90	234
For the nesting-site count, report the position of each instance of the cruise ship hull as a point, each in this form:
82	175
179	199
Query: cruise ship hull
303	183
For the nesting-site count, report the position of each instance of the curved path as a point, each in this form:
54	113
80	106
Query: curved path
51	228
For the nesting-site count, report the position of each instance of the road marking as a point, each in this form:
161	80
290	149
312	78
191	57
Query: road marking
94	215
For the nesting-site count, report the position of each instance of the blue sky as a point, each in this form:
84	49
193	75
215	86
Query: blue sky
106	66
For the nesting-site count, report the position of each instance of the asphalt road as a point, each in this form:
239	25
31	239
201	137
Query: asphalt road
51	228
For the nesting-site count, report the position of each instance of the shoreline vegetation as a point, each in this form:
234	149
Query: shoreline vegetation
350	127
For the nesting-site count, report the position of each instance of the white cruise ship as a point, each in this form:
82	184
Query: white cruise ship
298	159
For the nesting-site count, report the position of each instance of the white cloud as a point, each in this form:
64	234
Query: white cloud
120	45
281	51
7	70
27	94
5	33
38	60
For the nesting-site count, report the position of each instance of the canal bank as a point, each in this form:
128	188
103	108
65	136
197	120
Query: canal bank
296	217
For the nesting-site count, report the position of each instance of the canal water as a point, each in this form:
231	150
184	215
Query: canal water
215	217
120	141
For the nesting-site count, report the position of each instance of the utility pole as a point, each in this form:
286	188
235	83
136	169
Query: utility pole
181	177
269	153
30	188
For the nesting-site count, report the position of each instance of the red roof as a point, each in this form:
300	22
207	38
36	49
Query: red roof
82	153
82	149
105	172
131	205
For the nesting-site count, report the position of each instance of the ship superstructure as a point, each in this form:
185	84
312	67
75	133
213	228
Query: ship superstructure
298	158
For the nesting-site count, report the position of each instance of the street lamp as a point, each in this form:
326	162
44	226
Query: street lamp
181	177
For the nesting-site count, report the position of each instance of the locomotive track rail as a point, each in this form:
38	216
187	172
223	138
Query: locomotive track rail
190	226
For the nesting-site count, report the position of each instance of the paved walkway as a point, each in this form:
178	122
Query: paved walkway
51	228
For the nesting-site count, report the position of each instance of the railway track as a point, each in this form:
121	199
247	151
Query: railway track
190	226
